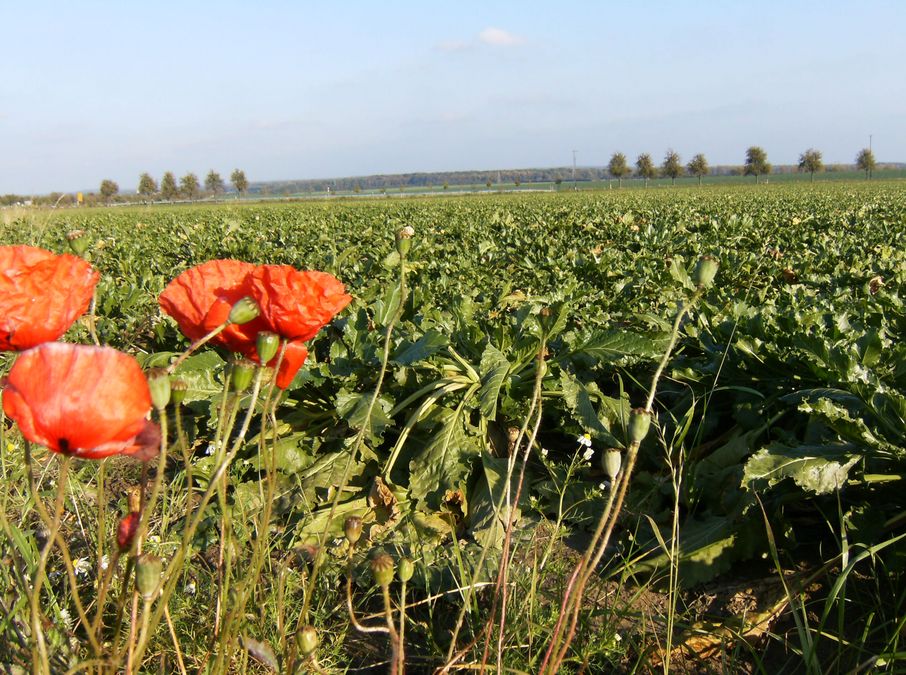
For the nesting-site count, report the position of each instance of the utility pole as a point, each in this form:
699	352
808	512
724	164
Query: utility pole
575	189
869	141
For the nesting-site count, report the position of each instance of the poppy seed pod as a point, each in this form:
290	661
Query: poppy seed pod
178	389
353	529
406	569
147	575
267	344
159	386
403	239
245	310
78	242
705	271
241	374
639	422
307	640
382	569
611	460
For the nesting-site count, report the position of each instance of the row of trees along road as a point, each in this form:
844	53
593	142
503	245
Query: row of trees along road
188	187
756	164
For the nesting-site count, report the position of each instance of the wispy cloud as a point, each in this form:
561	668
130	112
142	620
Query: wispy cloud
453	46
492	37
497	37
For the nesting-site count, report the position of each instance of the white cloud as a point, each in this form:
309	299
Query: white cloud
453	46
497	37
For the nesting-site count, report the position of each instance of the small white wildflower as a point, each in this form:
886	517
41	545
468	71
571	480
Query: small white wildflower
81	567
189	588
602	486
584	440
66	619
588	454
544	452
617	637
105	562
210	449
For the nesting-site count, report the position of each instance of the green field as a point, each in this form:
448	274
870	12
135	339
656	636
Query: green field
762	521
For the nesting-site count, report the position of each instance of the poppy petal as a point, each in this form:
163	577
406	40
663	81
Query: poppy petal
41	295
77	399
297	304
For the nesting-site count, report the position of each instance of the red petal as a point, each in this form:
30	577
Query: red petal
41	295
81	400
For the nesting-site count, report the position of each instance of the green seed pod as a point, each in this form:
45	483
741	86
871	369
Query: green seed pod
382	568
241	374
267	344
705	271
178	389
78	241
403	239
406	569
159	385
244	311
147	575
612	459
307	640
353	529
639	422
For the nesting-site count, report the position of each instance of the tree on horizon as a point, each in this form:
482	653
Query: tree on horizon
810	161
108	189
213	182
188	185
618	167
168	189
698	166
672	166
239	181
756	162
865	161
147	186
644	166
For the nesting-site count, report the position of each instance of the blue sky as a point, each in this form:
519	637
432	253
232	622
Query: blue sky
95	90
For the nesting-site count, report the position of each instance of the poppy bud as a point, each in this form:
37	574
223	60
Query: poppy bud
78	242
147	575
178	389
125	531
244	311
406	569
403	239
705	271
612	460
639	421
159	385
382	569
241	374
353	529
267	345
307	640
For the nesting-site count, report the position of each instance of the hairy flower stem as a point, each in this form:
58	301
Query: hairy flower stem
195	346
174	570
40	659
310	584
572	601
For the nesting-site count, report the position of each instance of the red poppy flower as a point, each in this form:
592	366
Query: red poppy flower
293	304
200	300
41	295
297	304
84	401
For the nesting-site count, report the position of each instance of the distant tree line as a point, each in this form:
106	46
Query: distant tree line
756	164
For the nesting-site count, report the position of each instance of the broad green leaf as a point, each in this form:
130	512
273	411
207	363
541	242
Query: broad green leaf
353	408
619	345
444	459
813	471
494	368
413	352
